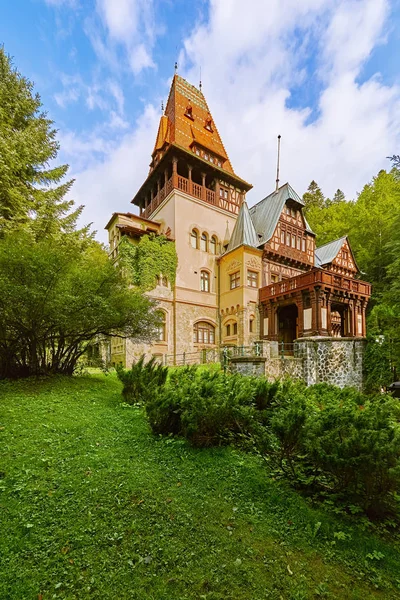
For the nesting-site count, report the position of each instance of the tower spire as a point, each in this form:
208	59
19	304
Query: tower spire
277	164
176	67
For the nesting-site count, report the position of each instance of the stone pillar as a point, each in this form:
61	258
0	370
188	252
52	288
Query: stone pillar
165	177
190	168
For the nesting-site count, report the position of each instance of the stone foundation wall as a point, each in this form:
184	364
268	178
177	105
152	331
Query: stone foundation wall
287	366
248	365
338	361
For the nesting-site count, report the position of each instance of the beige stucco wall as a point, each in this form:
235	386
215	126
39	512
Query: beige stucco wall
240	304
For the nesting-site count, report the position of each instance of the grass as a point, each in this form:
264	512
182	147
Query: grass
94	506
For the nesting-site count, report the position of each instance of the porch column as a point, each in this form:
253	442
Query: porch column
165	178
175	172
217	198
316	316
329	313
203	186
363	311
190	168
300	314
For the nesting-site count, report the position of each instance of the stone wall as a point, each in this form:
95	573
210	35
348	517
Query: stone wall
338	361
248	365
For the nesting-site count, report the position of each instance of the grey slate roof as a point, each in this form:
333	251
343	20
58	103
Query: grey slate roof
243	233
327	253
265	214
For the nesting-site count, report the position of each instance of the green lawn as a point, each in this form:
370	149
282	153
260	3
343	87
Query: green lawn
94	506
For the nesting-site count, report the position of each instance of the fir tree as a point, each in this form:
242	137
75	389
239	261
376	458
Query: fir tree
31	189
313	197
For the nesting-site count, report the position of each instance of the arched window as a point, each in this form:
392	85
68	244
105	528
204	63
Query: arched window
228	330
162	328
194	239
204	333
204	281
203	242
213	245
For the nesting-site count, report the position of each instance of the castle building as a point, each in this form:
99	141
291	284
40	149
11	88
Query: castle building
244	274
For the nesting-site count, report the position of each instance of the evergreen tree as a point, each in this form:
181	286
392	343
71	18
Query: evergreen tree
313	197
31	189
338	197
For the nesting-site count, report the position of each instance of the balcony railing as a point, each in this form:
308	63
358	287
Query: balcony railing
312	278
193	189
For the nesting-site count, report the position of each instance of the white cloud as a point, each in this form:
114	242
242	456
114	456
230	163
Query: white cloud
129	23
110	182
251	58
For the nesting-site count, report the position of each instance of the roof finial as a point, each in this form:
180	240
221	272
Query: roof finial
176	67
162	106
200	85
277	164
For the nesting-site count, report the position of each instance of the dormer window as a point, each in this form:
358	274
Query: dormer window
208	123
189	111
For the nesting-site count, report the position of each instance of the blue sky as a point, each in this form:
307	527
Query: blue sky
322	73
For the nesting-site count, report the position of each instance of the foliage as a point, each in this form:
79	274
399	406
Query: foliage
313	197
353	443
57	298
206	407
31	192
145	262
376	364
326	440
142	379
95	506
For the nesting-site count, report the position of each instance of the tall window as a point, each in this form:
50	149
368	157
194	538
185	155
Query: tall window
228	330
234	280
282	236
213	245
204	281
203	333
194	239
162	328
303	244
251	325
203	242
252	279
235	329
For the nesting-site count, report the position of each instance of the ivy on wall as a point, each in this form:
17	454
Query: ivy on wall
146	261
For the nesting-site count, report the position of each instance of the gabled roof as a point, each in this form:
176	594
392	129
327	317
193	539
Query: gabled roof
265	214
327	253
177	128
243	233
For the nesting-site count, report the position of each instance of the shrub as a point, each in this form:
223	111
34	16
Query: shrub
354	445
142	380
206	407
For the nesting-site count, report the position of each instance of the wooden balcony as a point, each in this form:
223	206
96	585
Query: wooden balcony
311	279
192	189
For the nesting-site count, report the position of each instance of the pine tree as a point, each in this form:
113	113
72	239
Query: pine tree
31	189
313	197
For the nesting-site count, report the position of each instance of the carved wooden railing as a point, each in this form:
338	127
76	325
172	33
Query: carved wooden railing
193	189
313	278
